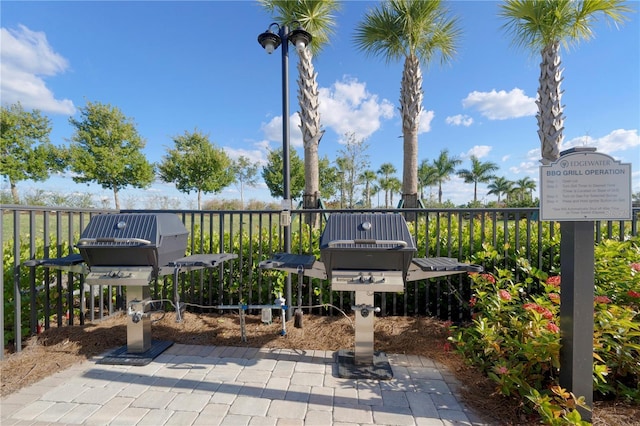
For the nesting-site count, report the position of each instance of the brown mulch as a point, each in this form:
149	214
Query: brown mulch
59	348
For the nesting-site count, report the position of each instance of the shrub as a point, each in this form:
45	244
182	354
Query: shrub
514	335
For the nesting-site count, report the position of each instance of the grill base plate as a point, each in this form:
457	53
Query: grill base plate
379	369
120	356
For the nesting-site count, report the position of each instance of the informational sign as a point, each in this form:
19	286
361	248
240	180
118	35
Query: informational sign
583	185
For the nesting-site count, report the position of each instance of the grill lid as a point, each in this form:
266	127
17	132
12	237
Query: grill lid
367	230
366	242
133	239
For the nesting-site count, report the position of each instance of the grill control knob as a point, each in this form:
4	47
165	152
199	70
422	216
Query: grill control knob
366	226
121	225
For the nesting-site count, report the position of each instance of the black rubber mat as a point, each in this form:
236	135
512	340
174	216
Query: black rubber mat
120	356
379	369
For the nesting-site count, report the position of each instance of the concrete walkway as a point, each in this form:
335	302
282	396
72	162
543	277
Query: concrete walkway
204	385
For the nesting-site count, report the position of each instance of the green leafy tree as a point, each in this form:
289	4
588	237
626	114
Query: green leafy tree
245	174
272	174
195	164
523	188
445	167
416	31
500	186
480	172
107	149
316	17
542	26
329	178
351	159
427	176
394	186
386	172
26	152
368	177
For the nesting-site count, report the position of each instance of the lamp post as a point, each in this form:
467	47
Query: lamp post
270	41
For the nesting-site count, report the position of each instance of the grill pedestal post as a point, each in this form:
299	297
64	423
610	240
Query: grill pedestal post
363	354
139	323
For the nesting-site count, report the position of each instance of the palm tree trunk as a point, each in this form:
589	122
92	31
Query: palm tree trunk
410	108
308	99
550	117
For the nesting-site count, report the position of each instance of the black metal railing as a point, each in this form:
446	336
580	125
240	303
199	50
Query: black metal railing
37	298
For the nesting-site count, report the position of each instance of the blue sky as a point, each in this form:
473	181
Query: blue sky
180	66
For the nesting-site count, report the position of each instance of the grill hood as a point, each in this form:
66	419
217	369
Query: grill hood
133	239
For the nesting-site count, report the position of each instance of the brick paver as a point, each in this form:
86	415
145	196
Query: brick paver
199	385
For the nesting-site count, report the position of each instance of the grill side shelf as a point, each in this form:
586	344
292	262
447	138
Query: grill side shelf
433	267
296	263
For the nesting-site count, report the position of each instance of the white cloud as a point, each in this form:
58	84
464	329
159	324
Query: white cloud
479	151
273	130
501	105
256	156
347	107
26	56
616	141
534	154
459	120
425	119
526	167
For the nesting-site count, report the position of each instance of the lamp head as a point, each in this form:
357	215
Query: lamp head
269	41
300	39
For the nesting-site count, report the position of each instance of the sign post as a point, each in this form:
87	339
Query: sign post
580	187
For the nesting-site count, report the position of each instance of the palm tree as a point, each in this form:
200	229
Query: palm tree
542	26
416	31
479	172
499	186
368	177
427	176
385	171
317	18
394	185
445	167
525	186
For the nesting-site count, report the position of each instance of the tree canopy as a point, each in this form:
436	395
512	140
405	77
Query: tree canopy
480	172
195	164
245	174
107	149
26	152
272	174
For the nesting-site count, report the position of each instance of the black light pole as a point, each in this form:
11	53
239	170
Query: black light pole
270	42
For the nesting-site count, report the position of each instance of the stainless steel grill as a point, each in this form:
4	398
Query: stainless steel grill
366	242
131	250
367	253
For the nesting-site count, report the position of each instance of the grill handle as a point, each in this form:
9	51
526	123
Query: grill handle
83	241
366	241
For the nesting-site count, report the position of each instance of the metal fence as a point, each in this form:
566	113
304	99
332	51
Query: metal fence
36	298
